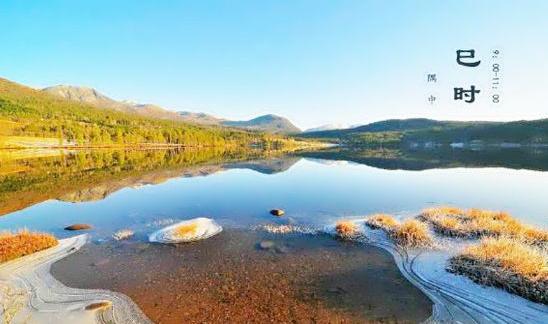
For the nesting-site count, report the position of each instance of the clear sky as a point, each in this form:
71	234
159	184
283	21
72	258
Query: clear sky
315	62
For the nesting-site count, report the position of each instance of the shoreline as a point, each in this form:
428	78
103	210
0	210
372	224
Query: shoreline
29	293
456	298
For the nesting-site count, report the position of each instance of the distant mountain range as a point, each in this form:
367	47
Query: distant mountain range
422	131
267	123
326	128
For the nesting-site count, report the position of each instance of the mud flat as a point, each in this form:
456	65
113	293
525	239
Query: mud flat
29	294
251	276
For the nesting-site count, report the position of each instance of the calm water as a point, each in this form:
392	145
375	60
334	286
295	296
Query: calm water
113	191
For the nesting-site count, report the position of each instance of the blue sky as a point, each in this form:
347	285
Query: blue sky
315	62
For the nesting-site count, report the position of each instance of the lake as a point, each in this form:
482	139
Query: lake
145	190
313	191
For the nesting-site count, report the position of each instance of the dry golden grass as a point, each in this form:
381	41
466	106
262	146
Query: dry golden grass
186	230
506	262
453	221
99	305
15	245
346	229
412	233
382	221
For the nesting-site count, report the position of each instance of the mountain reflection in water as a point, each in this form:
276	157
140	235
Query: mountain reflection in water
71	186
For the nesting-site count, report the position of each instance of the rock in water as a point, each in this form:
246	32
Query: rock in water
186	231
78	227
266	245
277	212
123	234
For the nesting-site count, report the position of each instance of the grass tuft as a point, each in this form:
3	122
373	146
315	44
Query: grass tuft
346	229
382	221
412	233
16	245
472	223
506	262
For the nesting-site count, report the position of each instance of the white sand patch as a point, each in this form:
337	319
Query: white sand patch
30	294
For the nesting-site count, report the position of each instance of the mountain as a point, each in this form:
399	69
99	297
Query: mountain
33	118
266	123
421	131
86	95
94	98
199	118
326	128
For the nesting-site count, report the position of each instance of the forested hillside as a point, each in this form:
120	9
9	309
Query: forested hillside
29	113
420	131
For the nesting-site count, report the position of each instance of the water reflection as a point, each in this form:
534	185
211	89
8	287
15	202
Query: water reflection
138	189
443	157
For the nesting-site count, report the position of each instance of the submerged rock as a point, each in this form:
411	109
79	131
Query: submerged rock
123	234
277	212
266	245
186	231
78	227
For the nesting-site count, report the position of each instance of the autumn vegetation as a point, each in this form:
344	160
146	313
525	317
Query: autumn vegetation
18	244
410	233
31	116
346	229
505	262
473	223
510	255
382	221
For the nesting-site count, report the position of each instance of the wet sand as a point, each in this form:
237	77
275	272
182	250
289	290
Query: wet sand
230	278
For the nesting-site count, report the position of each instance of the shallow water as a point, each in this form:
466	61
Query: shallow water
303	278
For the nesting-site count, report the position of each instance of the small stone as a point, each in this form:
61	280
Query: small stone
266	245
78	227
277	212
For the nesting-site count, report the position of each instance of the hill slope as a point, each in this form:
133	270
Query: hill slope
266	123
421	131
29	113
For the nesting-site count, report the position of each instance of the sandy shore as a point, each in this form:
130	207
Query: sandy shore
29	294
